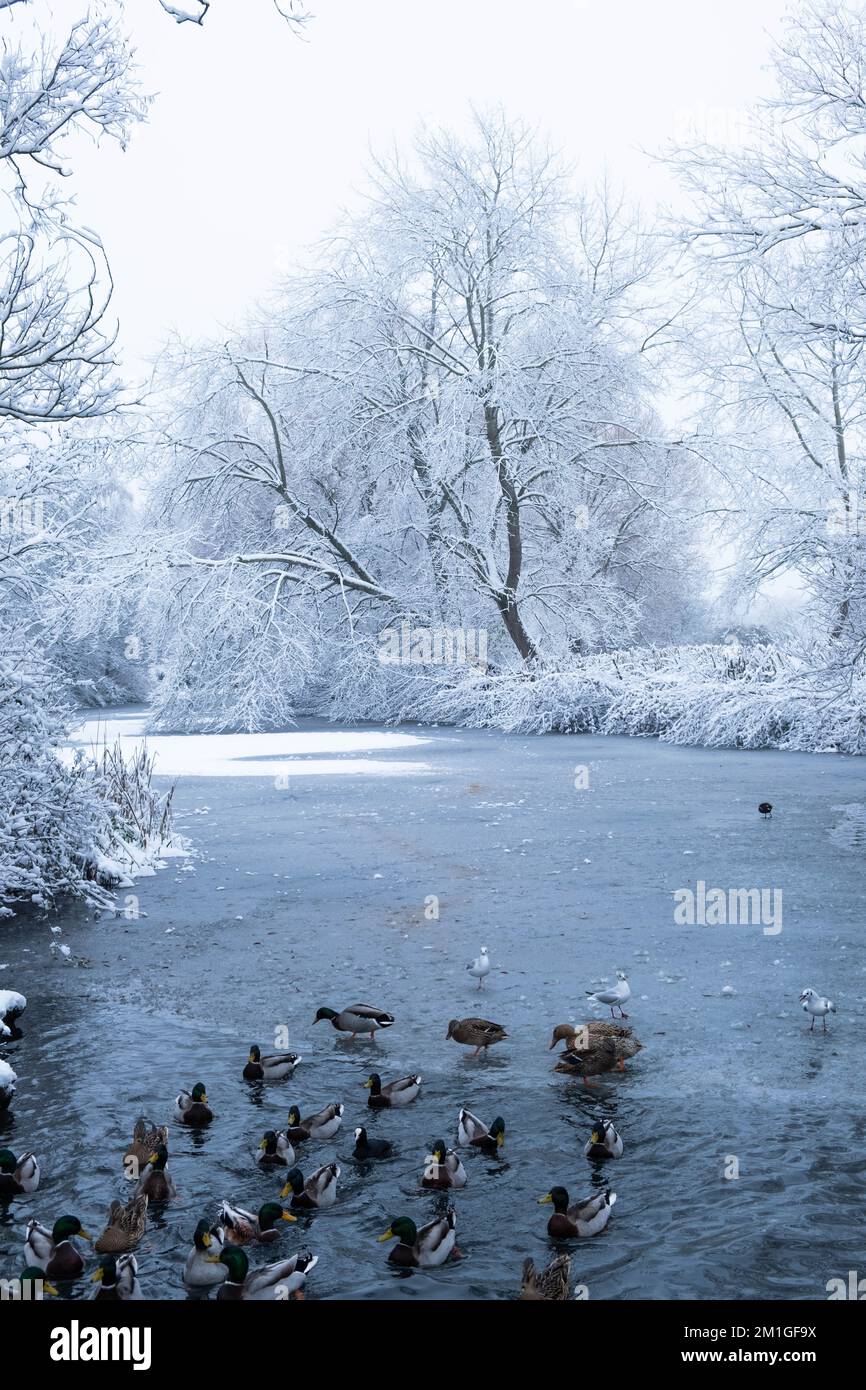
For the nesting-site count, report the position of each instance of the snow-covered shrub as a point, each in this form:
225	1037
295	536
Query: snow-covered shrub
708	695
50	814
78	827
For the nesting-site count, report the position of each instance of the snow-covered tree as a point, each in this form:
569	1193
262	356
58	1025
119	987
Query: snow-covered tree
56	366
56	343
780	236
449	421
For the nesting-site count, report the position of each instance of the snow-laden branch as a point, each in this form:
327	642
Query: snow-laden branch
289	10
86	84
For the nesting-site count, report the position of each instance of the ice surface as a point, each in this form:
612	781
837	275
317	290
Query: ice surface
565	886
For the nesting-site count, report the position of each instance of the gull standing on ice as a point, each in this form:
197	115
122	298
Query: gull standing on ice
480	966
816	1006
617	996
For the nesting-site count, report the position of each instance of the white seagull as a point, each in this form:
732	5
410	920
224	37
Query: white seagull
816	1006
480	966
615	997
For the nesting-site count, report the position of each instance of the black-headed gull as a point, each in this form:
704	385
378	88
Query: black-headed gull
614	998
480	967
818	1007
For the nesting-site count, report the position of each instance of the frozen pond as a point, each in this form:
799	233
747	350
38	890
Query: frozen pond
314	854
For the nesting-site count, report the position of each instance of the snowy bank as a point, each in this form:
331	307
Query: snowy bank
715	696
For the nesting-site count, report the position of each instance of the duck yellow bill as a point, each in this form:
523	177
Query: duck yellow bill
263	1144
251	1058
48	1288
285	1192
85	1235
388	1235
287	1216
595	1137
368	1084
542	1200
500	1140
212	1259
153	1158
95	1278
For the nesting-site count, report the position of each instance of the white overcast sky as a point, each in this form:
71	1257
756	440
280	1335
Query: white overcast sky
256	140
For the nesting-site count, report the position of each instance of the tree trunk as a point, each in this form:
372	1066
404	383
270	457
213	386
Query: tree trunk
506	598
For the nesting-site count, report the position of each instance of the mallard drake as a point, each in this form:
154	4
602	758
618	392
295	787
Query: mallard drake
612	998
241	1226
474	1133
595	1048
549	1285
191	1107
425	1249
586	1218
323	1125
117	1279
7	1085
202	1268
12	1006
125	1227
294	1131
319	1190
394	1094
766	808
357	1018
155	1183
275	1150
282	1280
443	1168
31	1276
270	1068
145	1138
55	1251
479	1033
17	1175
365	1147
603	1142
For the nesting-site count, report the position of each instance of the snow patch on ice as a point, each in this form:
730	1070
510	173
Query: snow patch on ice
293	753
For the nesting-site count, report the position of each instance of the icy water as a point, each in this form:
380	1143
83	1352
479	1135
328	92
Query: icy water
308	885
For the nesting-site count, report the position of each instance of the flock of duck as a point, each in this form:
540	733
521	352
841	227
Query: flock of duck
219	1255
